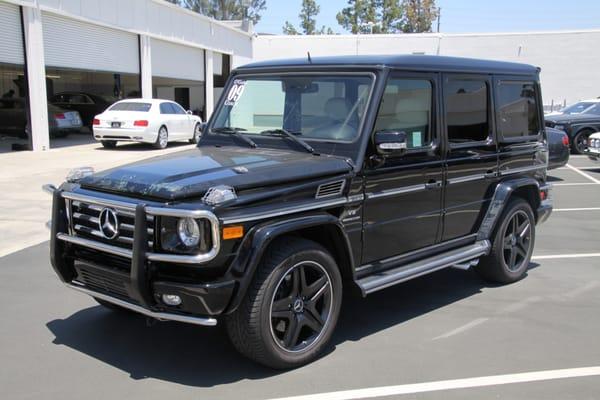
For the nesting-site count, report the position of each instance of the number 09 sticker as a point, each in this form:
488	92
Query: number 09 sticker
235	92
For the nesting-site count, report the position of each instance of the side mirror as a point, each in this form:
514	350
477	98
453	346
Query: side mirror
189	112
390	142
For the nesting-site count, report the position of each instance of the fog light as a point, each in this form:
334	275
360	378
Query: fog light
171	299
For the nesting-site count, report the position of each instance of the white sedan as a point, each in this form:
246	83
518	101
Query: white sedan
146	120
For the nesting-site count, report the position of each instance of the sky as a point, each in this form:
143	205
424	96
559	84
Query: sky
460	16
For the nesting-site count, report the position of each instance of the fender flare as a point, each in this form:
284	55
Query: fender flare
261	236
502	194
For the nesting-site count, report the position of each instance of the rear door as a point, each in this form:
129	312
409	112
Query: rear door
472	154
183	118
404	193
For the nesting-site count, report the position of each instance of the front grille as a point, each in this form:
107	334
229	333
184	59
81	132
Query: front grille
85	222
103	281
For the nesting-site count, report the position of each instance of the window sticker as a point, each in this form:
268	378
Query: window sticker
235	92
417	140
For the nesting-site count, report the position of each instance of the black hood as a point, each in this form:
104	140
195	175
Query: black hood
191	173
567	118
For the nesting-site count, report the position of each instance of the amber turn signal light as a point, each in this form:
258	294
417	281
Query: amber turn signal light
233	232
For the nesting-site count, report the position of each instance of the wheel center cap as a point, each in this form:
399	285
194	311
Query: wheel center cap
298	306
513	240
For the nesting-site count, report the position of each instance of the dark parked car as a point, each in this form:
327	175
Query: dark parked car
558	148
577	126
313	177
13	119
86	104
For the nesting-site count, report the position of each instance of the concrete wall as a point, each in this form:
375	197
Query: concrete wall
570	61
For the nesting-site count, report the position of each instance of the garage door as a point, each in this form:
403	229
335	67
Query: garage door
73	44
170	60
11	44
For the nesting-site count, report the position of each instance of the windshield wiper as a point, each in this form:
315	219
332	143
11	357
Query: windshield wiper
230	130
291	136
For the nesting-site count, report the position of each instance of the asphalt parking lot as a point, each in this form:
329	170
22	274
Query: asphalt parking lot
450	325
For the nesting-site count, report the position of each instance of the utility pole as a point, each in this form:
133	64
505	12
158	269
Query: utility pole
439	18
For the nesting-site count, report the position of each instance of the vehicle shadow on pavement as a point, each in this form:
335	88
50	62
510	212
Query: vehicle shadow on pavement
203	357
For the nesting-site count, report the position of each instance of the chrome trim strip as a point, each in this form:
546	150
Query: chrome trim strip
355	198
118	251
284	211
206	321
467	178
394	192
102	202
521	169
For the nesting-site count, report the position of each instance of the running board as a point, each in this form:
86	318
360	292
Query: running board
391	277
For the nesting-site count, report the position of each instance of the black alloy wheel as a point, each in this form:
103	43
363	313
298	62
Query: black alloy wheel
517	240
301	306
580	142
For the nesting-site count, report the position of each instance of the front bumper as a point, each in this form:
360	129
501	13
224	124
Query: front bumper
128	278
592	155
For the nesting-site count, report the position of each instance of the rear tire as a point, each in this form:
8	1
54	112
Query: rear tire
512	245
162	139
291	307
109	144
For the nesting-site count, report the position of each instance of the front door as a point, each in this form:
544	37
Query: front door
472	158
403	194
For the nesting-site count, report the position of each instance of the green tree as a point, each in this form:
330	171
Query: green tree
418	15
308	22
358	16
226	9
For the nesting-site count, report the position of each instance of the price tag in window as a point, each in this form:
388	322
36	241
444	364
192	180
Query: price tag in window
417	139
235	92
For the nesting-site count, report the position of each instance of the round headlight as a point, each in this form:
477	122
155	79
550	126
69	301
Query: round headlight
188	232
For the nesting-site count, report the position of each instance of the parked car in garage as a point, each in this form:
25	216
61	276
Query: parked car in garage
577	126
13	119
87	105
591	106
593	150
148	121
558	148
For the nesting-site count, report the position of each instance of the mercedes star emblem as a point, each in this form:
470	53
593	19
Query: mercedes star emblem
108	223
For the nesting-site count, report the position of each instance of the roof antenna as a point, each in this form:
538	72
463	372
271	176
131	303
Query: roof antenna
309	59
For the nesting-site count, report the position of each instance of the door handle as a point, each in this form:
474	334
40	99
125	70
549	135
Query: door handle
490	174
433	184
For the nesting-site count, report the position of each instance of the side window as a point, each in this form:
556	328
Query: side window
407	106
165	108
177	109
467	105
594	110
517	114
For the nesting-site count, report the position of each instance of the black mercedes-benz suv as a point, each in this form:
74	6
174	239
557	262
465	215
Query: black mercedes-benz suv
315	176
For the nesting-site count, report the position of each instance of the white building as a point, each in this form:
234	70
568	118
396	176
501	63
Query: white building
77	52
73	53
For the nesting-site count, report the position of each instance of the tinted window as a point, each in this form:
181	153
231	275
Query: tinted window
131	106
593	110
406	106
165	108
466	110
177	109
517	114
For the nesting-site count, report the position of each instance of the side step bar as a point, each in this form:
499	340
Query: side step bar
382	280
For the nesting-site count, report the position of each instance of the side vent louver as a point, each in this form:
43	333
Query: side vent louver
330	189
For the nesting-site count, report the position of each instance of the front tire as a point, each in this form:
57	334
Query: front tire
291	307
512	246
162	139
197	134
579	142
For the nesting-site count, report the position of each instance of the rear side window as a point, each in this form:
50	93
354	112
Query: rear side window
406	107
131	106
467	110
517	114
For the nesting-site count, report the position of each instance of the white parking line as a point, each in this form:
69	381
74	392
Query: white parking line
466	383
461	329
574	184
591	178
556	256
577	209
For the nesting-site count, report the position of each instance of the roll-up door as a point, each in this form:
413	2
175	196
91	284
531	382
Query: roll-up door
74	44
11	44
170	60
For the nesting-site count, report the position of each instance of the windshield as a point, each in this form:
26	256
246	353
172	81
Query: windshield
131	106
312	107
578	108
